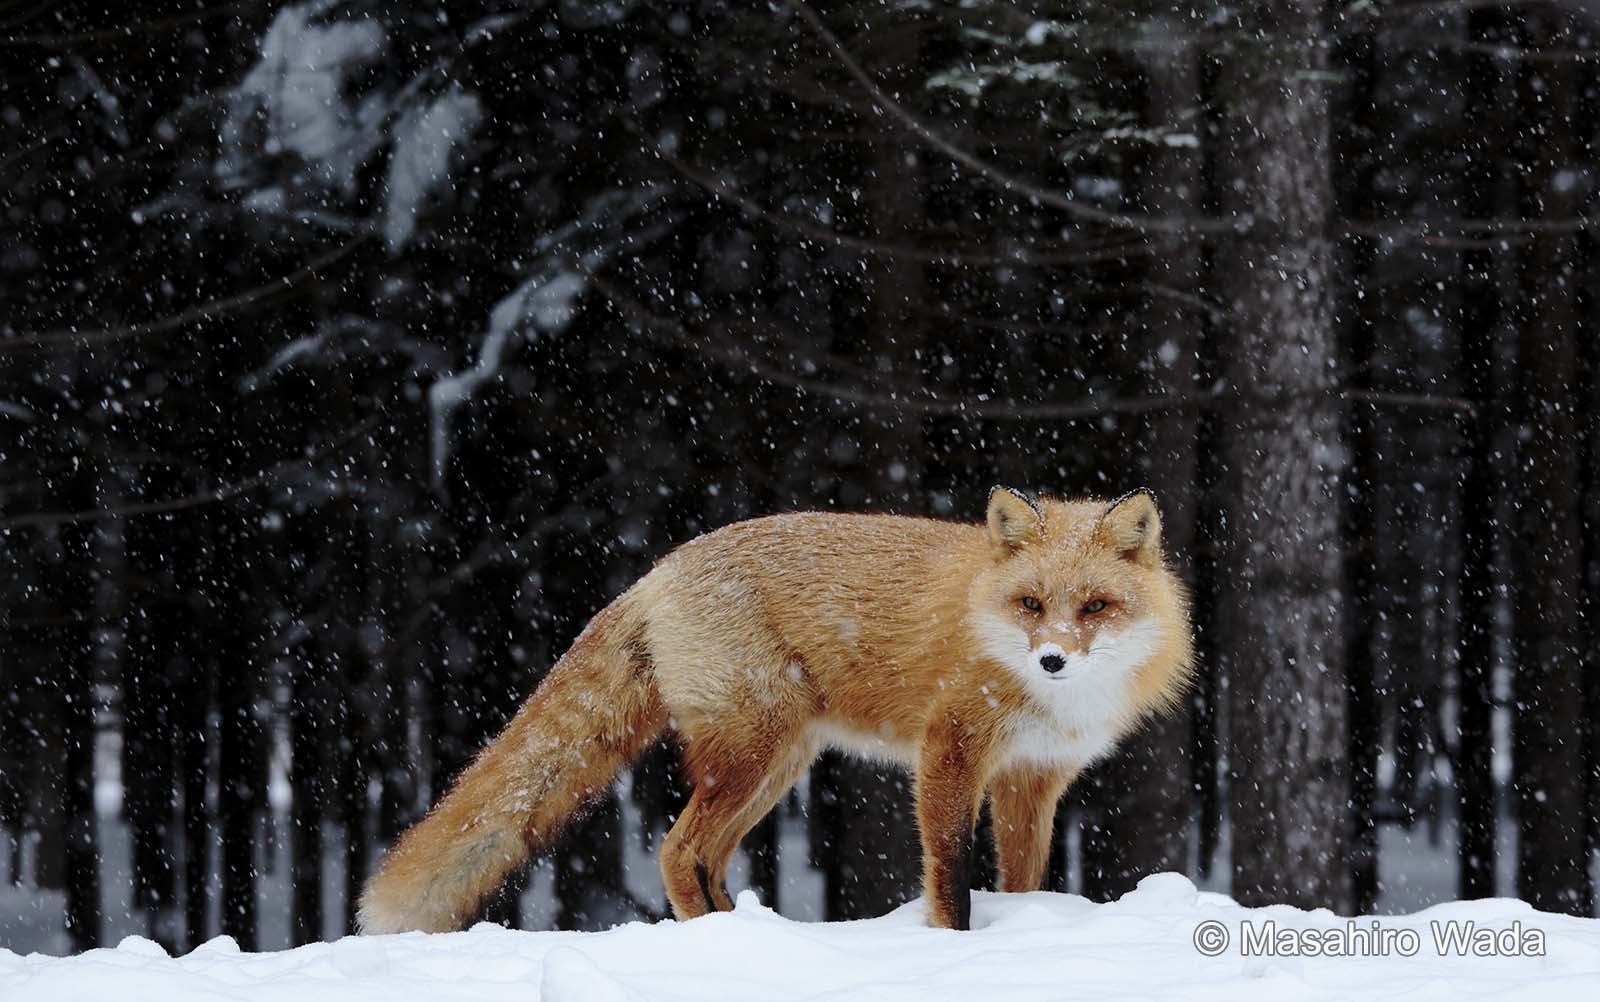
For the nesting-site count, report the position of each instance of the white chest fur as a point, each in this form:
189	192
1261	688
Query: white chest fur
1038	741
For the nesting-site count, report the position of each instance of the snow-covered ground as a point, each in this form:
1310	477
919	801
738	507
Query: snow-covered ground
1148	945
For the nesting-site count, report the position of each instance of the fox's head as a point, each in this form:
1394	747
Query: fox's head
1077	601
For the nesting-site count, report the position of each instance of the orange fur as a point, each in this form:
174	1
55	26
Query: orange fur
903	638
1022	805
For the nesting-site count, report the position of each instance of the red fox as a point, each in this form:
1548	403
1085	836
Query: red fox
992	660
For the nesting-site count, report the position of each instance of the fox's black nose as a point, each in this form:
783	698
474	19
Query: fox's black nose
1052	663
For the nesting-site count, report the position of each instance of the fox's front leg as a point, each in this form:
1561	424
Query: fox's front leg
1022	805
949	788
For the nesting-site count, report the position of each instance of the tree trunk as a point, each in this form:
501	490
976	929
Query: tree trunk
198	695
75	649
1144	791
1359	314
362	702
1486	325
1590	606
1590	485
241	753
50	630
357	816
13	752
310	704
158	625
1548	755
871	852
82	848
1284	444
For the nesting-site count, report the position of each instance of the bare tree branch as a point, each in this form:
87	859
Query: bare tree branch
271	475
130	30
1430	42
722	190
69	340
1401	10
733	358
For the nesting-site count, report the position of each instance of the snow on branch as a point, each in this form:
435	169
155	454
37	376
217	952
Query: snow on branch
547	302
298	87
306	101
544	303
887	107
420	163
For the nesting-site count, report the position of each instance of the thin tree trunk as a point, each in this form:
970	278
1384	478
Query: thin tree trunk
44	767
1490	281
12	750
310	700
355	591
1284	444
82	848
1359	308
399	668
74	647
198	694
1476	794
158	628
357	817
242	774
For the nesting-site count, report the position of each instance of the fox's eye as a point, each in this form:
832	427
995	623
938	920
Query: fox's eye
1032	604
1090	608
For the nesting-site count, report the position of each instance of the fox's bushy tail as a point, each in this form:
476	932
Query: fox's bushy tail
594	713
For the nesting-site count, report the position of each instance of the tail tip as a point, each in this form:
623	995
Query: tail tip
385	908
376	918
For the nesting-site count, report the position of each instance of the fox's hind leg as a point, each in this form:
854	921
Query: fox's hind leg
778	782
733	773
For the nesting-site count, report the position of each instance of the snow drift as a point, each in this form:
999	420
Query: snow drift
1148	945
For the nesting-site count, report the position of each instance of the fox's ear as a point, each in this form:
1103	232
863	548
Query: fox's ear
1014	519
1132	527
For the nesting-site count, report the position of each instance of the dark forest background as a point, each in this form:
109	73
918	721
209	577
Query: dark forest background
353	354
